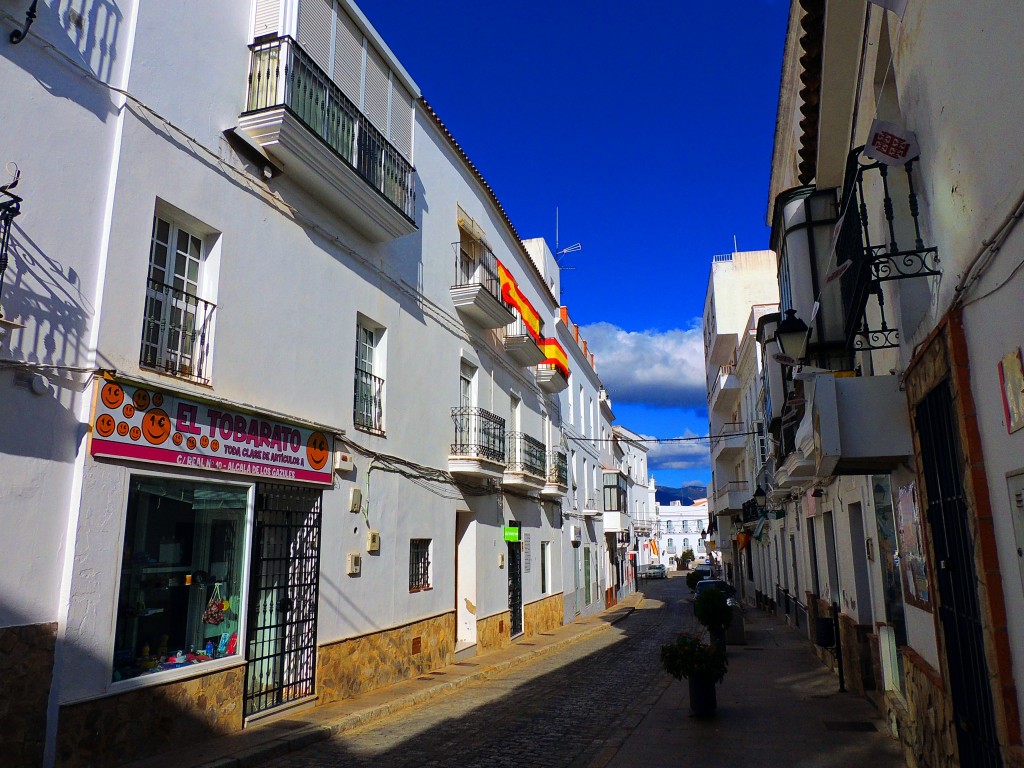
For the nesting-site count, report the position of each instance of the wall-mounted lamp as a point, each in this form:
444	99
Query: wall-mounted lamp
792	334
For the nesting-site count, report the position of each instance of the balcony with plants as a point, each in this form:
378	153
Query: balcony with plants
302	121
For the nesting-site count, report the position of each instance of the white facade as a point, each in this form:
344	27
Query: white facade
681	527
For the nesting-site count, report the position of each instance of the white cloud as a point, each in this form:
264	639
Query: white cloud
658	368
691	454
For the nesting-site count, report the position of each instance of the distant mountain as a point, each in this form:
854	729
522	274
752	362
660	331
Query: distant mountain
685	495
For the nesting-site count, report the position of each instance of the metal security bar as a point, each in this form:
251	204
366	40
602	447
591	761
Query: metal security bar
176	332
419	564
526	454
368	408
478	433
283	592
558	468
281	74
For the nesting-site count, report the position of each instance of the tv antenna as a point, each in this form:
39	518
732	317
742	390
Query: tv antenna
560	252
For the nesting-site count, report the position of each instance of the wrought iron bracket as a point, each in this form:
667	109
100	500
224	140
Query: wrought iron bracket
900	265
18	35
879	338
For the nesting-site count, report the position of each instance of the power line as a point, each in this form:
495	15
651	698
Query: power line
659	440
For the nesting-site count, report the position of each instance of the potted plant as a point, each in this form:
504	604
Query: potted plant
702	665
712	609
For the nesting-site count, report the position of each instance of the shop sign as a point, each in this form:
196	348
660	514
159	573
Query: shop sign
512	533
152	426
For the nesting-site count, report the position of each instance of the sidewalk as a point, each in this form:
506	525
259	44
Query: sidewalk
778	706
298	729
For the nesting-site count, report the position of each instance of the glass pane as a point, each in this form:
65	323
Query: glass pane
158	259
162	230
181	589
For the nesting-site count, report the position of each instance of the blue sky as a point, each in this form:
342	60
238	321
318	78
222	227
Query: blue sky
649	126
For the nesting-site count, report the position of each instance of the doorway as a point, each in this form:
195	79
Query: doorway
515	586
465	580
283	593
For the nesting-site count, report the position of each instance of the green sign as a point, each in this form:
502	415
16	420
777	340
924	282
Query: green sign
512	533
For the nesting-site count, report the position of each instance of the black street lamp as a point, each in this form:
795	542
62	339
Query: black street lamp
792	334
760	497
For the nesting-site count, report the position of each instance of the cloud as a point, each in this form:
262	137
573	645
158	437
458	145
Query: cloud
657	368
692	454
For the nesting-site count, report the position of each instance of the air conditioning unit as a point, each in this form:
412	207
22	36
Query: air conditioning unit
354	564
373	541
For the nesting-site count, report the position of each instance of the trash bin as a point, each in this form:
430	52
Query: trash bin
736	633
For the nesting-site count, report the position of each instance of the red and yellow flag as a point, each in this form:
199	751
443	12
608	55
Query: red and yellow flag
555	355
743	539
511	293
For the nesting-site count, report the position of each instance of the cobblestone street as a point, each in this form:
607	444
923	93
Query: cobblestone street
558	711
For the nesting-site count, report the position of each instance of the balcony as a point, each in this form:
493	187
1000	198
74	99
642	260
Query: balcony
731	496
550	378
304	123
176	333
479	447
557	484
615	522
520	344
477	290
725	390
368	404
730	440
527	463
643	528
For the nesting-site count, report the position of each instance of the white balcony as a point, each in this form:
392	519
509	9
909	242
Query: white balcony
730	496
526	468
550	378
520	344
479	447
477	290
729	441
615	522
557	484
725	390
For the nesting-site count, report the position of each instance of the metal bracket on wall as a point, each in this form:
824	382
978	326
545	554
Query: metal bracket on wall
18	35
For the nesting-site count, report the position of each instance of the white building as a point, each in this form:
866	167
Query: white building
284	389
679	528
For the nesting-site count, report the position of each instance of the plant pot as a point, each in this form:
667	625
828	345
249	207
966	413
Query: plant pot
703	699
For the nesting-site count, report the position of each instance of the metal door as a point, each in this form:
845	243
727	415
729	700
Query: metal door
515	586
956	580
283	590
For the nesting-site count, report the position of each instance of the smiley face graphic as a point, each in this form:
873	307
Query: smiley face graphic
191	443
105	425
112	395
204	441
141	399
122	428
135	433
128	410
316	450
215	445
178	439
158	399
156	426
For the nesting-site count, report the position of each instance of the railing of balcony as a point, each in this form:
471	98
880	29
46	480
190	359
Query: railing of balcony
873	263
282	75
479	434
476	264
368	406
176	332
526	454
728	429
558	468
518	328
723	371
550	367
733	486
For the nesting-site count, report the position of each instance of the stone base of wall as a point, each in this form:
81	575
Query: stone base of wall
857	667
26	668
369	662
147	721
923	723
543	615
494	632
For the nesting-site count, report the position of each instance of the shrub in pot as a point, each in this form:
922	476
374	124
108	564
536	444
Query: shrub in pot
692	578
712	609
702	665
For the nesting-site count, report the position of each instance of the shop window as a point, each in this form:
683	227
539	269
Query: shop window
181	594
177	330
419	564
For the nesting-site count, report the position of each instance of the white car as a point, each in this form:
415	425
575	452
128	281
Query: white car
653	571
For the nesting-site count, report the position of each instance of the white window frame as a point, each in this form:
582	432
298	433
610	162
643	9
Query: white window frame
370	368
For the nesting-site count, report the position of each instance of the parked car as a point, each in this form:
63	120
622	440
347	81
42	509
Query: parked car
704	570
724	587
654	571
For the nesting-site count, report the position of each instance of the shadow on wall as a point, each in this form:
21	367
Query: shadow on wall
84	31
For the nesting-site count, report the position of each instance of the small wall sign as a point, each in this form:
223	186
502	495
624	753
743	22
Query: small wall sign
1011	382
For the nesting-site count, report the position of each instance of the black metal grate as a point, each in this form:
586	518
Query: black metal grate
515	587
368	403
419	564
478	434
283	596
956	579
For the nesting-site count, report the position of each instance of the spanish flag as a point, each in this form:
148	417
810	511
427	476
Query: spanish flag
512	295
743	539
654	547
555	355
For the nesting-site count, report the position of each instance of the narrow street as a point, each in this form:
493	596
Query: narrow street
557	711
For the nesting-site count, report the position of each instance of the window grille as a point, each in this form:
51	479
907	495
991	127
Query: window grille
419	564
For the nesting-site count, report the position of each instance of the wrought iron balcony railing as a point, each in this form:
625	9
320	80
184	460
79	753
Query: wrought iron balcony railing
176	333
526	454
478	434
874	262
558	468
368	404
476	264
518	327
281	74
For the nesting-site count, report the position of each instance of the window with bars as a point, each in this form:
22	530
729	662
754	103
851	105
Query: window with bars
177	329
419	564
368	400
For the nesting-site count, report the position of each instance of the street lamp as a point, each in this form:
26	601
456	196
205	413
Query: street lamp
760	497
792	334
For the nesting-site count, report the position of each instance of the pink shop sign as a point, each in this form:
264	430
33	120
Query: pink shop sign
157	427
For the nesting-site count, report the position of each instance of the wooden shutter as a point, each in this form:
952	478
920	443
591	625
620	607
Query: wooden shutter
316	18
377	86
348	57
267	17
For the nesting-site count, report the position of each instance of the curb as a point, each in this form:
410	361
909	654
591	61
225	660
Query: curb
312	734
